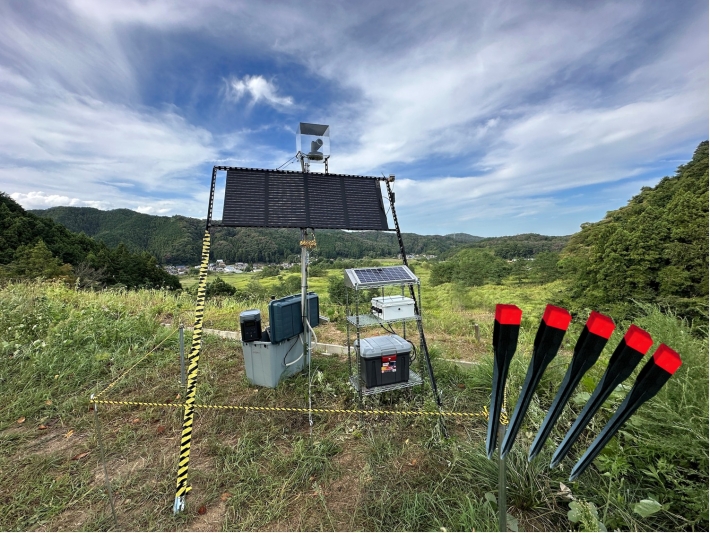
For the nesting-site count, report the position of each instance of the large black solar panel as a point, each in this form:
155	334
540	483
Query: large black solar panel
371	277
279	199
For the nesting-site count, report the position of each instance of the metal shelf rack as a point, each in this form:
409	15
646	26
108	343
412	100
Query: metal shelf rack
363	321
358	322
414	379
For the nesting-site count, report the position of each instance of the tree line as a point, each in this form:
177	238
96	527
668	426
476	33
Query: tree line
32	247
653	250
176	240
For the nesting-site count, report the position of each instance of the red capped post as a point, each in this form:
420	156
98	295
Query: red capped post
589	347
626	356
548	339
655	373
506	328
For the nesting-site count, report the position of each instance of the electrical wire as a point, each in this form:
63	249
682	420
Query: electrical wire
292	160
387	202
388	329
311	330
289	351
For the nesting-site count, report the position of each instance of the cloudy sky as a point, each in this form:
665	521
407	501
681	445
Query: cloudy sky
497	118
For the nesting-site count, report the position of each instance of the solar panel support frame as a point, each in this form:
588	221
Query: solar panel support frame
423	344
303	200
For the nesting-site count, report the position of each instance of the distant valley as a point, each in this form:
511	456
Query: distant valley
176	240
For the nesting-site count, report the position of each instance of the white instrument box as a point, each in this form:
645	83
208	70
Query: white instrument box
393	307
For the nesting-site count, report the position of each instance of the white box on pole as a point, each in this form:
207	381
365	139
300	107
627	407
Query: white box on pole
392	307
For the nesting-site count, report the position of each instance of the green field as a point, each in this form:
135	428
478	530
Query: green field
269	472
449	311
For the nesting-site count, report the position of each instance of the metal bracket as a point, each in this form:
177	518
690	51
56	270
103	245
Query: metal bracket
179	504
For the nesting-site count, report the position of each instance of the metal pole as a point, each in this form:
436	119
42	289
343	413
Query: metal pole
477	332
304	318
404	322
502	496
417	311
211	204
182	355
304	296
103	461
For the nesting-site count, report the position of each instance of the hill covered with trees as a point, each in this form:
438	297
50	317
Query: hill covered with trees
523	246
31	246
176	240
655	249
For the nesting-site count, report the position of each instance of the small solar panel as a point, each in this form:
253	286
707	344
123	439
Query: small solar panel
283	199
371	277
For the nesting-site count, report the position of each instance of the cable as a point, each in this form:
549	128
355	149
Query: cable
388	208
311	330
289	351
293	159
388	329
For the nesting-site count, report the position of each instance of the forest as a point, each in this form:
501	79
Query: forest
176	240
32	247
653	250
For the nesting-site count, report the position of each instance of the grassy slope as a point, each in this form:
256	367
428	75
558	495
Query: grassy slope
265	472
450	312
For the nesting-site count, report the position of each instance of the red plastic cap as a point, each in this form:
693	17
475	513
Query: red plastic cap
600	325
556	317
508	314
638	339
667	359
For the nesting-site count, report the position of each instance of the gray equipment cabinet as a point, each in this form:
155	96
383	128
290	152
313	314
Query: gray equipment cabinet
267	363
360	318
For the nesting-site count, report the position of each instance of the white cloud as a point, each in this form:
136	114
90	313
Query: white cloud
82	144
41	200
157	208
528	99
156	13
258	89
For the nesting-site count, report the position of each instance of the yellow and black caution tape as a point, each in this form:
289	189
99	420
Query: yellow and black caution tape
191	388
384	412
120	377
504	411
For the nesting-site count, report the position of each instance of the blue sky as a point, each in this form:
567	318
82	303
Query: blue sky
497	118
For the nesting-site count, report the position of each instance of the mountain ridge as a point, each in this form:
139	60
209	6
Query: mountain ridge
175	239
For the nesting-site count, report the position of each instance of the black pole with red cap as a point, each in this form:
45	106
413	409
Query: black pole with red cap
548	339
650	380
589	347
626	356
506	328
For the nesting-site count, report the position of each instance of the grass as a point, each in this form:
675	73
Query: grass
251	471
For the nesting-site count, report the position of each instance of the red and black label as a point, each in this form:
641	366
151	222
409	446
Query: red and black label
389	364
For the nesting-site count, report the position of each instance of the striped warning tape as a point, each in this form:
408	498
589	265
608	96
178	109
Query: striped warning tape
504	410
386	412
191	388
